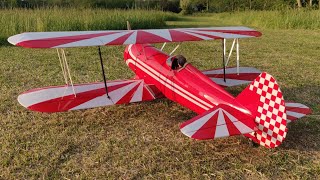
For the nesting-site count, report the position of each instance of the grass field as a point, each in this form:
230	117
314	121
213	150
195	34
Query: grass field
143	141
53	19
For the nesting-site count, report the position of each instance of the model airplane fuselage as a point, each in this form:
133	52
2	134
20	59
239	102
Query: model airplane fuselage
187	86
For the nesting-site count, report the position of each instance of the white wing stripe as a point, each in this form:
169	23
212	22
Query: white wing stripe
137	97
132	38
298	105
295	114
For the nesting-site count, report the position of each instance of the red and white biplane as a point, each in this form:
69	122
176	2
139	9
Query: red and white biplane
258	112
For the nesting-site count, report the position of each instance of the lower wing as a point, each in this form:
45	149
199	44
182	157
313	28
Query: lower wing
84	96
246	75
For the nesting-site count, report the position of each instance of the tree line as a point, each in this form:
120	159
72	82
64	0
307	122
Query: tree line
186	6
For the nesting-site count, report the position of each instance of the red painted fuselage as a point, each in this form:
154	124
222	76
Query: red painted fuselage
187	86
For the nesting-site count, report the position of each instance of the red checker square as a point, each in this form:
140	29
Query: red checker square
263	139
260	86
263	93
279	95
271	127
264	111
274	135
277	124
272	80
273	98
281	133
267	101
274	116
269	137
270	108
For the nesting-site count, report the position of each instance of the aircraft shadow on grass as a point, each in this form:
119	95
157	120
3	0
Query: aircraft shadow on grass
4	42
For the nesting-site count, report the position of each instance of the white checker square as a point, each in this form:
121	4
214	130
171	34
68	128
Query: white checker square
282	127
269	114
265	88
274	92
276	130
268	96
271	85
275	111
278	100
268	77
272	103
281	108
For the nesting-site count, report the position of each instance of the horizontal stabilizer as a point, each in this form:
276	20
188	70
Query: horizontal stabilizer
221	121
296	111
62	98
246	75
122	37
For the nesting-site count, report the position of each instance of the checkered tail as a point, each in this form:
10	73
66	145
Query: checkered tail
265	101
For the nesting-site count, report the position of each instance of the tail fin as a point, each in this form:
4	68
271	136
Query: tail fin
265	101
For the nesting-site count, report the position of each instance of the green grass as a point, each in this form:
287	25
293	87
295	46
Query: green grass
142	140
18	20
280	19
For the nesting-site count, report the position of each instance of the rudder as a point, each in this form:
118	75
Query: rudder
264	99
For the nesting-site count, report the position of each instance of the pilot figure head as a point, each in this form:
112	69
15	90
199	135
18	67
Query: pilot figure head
181	60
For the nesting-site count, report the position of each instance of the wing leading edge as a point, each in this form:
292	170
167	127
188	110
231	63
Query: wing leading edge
123	37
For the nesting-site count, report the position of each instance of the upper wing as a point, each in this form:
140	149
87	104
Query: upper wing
221	121
120	37
246	75
62	98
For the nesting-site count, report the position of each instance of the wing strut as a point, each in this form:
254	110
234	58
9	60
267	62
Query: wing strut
224	59
65	69
103	74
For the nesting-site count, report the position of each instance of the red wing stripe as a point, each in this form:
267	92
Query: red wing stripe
59	41
178	36
144	37
208	130
103	100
